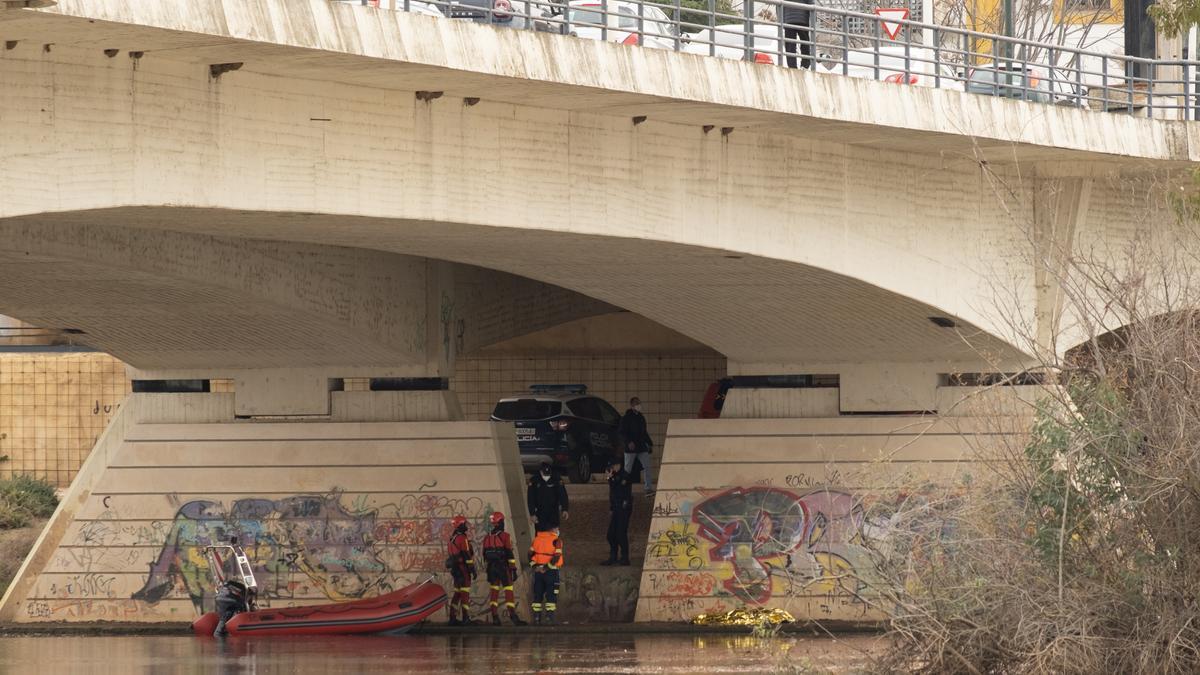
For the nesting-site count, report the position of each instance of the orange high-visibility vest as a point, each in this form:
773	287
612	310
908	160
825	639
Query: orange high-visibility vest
547	550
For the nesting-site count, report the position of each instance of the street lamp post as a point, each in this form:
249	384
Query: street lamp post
1009	30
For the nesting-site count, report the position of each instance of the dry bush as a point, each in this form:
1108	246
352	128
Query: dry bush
1080	550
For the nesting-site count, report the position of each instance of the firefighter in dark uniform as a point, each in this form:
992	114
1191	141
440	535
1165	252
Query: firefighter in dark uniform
501	570
546	558
461	562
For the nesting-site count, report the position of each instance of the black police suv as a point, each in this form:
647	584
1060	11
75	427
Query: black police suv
564	425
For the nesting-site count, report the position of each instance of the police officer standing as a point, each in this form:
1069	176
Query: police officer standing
547	498
620	509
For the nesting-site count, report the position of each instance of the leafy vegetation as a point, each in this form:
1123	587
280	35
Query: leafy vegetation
24	499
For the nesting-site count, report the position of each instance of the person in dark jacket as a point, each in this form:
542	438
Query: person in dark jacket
637	441
547	498
620	508
230	601
797	32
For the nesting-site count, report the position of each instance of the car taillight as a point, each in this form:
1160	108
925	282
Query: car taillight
901	78
558	425
760	57
631	40
1034	79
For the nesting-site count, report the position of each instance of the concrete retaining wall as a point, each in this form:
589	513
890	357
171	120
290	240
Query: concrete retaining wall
779	512
327	510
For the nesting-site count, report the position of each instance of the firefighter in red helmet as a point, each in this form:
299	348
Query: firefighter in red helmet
460	561
501	570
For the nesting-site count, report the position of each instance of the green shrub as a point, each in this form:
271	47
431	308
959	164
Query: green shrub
23	498
12	518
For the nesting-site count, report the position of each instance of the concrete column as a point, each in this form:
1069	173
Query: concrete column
1060	207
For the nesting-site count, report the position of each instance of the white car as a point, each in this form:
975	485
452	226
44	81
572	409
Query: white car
730	42
414	6
894	65
586	19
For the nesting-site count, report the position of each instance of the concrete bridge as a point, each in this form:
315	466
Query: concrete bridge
293	194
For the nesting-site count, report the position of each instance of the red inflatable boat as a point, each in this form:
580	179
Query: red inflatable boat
394	613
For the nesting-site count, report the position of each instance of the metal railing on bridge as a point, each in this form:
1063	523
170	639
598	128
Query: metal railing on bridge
832	39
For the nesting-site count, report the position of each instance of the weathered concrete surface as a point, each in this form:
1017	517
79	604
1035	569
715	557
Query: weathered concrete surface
327	511
320	40
785	512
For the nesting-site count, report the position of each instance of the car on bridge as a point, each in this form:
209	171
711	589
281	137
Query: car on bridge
587	19
1026	81
895	64
564	425
500	13
729	42
414	6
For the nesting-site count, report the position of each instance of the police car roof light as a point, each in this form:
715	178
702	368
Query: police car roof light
566	388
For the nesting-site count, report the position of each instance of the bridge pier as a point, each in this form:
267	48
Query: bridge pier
348	506
781	501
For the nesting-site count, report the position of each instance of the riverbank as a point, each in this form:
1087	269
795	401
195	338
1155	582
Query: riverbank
14	546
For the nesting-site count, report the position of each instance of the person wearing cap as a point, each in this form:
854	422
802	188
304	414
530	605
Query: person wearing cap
547	498
461	562
546	558
501	570
620	510
637	441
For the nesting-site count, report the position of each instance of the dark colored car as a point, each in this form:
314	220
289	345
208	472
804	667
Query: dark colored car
563	425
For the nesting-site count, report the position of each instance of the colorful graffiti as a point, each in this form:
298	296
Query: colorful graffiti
679	544
759	531
754	543
307	545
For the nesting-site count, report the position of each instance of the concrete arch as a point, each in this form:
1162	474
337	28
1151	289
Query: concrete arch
356	310
166	300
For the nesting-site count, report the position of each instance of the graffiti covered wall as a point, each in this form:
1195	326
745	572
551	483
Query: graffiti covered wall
786	513
325	512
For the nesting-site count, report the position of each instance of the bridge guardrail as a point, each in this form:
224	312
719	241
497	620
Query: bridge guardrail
857	44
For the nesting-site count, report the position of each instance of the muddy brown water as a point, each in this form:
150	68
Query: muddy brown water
470	653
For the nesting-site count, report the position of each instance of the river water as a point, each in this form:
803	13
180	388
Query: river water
473	653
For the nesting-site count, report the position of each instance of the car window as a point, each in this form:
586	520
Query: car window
526	409
662	22
586	407
627	19
586	16
608	413
652	18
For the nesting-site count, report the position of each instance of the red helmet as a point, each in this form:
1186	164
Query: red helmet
458	521
496	518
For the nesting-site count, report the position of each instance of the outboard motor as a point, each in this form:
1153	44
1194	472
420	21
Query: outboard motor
236	592
231	599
